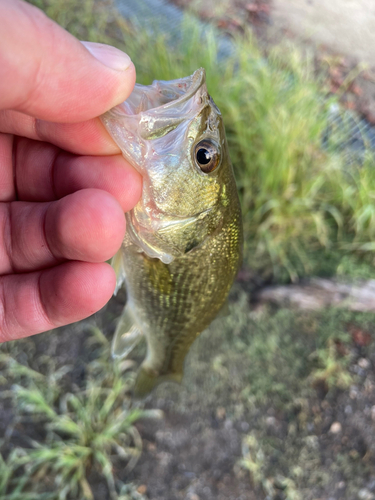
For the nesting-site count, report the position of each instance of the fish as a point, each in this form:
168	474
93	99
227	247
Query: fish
183	243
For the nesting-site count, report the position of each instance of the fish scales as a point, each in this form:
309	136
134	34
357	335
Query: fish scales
183	244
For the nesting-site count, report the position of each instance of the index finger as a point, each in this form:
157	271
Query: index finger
47	73
83	138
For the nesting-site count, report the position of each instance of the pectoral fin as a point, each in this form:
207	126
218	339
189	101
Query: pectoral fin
127	335
118	266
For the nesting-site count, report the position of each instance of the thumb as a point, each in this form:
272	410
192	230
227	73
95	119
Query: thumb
47	73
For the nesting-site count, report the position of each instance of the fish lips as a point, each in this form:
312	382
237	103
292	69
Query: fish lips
153	111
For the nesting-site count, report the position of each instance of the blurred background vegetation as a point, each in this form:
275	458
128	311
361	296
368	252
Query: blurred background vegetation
70	428
304	208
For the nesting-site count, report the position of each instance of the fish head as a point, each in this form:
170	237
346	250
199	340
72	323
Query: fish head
173	134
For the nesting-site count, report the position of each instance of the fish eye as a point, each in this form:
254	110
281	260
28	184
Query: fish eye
207	156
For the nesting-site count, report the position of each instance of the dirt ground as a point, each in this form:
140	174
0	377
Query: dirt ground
341	33
303	436
345	26
276	404
344	29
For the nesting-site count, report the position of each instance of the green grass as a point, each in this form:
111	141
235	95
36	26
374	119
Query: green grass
82	435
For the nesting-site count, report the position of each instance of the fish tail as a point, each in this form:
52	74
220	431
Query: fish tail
147	380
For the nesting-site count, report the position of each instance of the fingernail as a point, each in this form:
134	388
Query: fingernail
110	56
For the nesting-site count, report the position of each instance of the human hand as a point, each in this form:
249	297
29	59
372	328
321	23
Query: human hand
64	186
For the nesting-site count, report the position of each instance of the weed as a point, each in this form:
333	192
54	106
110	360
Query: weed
255	460
88	433
332	371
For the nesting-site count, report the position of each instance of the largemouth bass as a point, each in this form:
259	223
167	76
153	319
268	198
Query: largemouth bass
183	242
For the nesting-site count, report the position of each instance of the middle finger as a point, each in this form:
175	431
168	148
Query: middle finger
88	226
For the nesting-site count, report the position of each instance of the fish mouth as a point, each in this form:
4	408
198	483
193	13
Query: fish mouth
162	95
156	109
